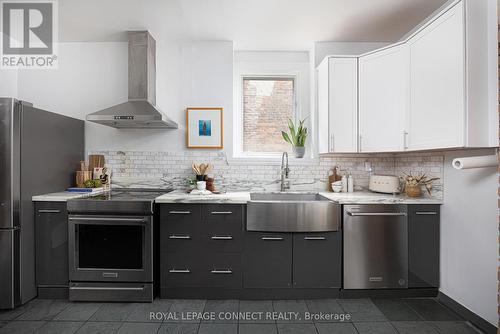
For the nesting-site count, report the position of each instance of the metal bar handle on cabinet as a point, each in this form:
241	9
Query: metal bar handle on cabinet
314	238
272	238
179	212
110	219
221	212
331	143
226	237
106	288
426	213
184	237
228	271
361	214
179	271
405	145
49	211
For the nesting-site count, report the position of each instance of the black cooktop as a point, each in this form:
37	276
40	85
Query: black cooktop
122	201
129	194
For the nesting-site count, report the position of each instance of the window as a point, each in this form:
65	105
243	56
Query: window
268	103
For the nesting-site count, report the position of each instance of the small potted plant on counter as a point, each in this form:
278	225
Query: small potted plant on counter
297	137
413	184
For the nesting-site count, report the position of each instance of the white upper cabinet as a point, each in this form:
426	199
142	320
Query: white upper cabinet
437	84
435	89
338	105
383	100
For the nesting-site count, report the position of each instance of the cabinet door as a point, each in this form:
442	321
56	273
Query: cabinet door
423	246
343	105
437	77
317	260
323	117
383	99
267	260
51	226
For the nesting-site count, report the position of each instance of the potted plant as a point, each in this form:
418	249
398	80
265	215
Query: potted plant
413	184
297	137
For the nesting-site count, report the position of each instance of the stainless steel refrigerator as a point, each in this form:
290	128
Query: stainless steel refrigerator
39	152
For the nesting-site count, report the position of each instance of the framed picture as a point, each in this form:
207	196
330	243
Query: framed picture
205	128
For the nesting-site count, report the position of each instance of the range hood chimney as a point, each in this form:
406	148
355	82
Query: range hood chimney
140	110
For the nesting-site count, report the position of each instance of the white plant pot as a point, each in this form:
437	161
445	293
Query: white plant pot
299	151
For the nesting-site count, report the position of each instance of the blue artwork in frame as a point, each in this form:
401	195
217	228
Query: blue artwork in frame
205	128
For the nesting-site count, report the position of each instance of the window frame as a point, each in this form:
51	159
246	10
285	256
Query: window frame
239	115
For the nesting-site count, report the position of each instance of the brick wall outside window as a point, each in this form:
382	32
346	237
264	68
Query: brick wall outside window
267	106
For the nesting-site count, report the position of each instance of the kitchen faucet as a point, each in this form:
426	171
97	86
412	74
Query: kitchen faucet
285	171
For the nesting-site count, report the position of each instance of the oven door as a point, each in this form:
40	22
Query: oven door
110	248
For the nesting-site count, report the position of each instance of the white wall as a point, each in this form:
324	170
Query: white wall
93	76
322	49
8	83
469	236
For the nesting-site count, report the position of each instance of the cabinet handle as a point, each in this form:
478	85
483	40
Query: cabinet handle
314	238
360	141
221	212
179	271
272	238
361	214
426	213
405	146
184	237
228	271
180	212
222	237
49	211
332	143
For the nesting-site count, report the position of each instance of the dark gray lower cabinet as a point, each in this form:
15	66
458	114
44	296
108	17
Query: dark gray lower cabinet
285	260
317	260
267	260
201	246
423	246
51	228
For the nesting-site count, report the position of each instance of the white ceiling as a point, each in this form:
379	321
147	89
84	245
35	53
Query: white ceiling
251	24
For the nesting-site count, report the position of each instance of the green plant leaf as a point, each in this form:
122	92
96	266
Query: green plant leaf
286	137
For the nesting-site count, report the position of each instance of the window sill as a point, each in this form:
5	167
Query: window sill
271	160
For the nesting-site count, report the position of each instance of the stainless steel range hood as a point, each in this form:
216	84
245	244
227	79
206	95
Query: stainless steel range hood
140	110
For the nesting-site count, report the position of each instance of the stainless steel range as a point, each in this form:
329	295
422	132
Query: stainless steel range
111	246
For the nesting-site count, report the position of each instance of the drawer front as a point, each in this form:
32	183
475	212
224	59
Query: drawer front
222	214
223	240
317	260
181	270
180	227
222	271
267	260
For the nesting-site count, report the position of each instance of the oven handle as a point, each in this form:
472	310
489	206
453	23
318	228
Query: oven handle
90	288
109	219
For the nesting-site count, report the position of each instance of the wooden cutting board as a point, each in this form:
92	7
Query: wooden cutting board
333	177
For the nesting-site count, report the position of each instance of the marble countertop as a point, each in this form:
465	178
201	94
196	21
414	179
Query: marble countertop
363	197
183	197
342	198
62	196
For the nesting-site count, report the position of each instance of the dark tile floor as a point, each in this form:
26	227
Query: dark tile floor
342	316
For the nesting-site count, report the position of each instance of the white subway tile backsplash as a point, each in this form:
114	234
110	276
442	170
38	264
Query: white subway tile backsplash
172	169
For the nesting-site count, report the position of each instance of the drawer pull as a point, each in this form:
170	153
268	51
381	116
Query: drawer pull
183	237
228	237
314	238
49	211
227	272
180	212
426	213
272	238
221	212
179	271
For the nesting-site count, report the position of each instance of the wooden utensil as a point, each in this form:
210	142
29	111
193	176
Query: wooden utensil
96	160
81	177
203	168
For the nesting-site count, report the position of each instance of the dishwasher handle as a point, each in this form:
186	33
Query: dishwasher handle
366	214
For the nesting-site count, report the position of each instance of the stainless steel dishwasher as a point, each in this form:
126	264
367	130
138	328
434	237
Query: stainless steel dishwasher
375	246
